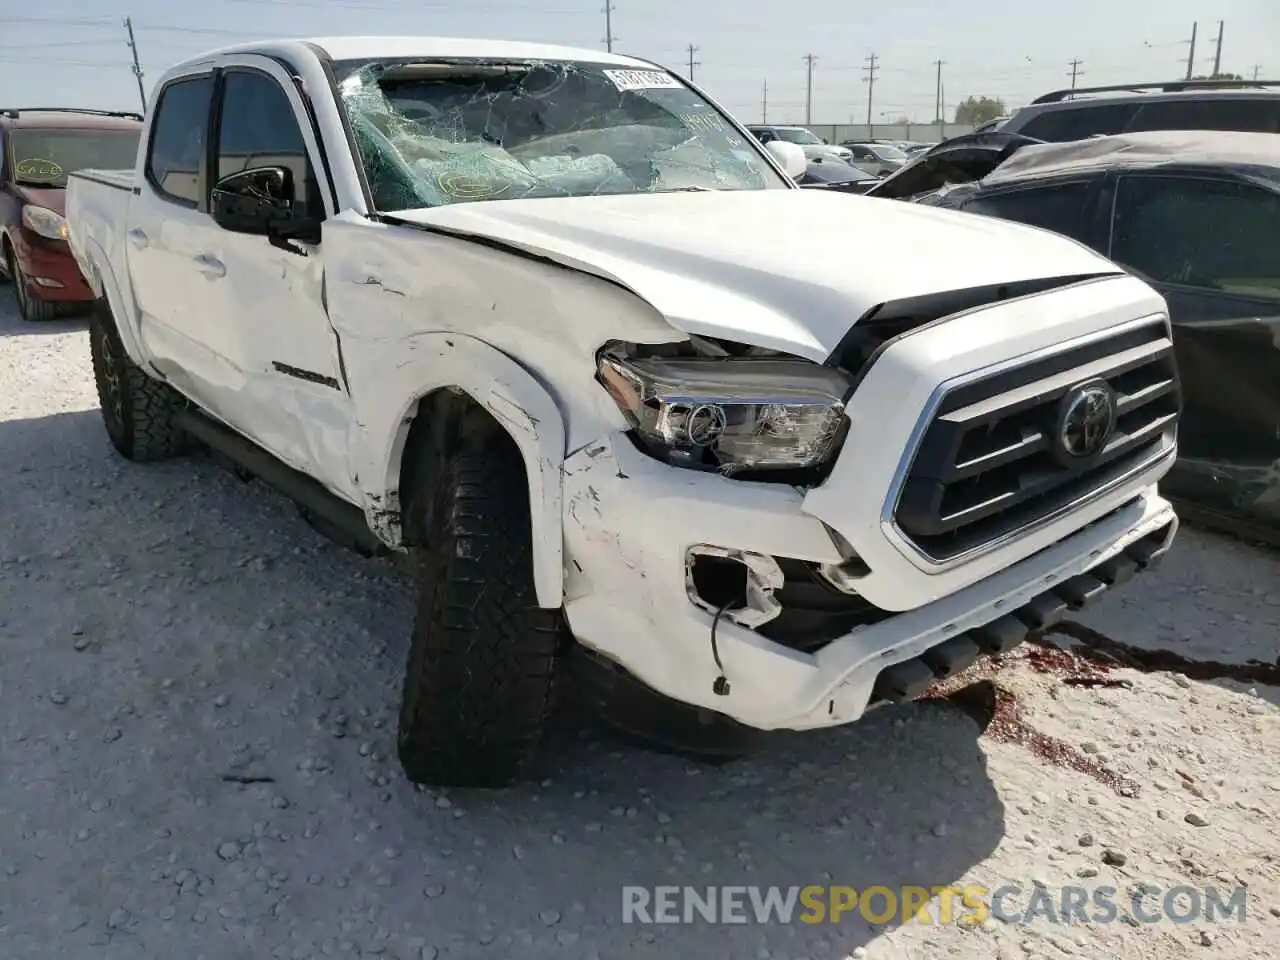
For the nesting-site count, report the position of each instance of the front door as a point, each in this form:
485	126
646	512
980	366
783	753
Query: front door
270	299
1211	246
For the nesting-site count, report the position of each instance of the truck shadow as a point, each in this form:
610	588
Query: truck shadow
247	673
12	324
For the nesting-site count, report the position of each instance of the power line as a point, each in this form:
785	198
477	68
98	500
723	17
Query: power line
137	68
1075	72
808	98
869	76
692	62
608	25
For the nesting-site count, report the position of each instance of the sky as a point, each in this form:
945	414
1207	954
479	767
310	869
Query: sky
74	52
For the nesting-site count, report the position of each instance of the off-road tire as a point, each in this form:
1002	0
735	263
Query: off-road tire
33	309
478	689
6	269
137	411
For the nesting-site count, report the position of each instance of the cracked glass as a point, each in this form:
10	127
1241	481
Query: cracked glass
433	133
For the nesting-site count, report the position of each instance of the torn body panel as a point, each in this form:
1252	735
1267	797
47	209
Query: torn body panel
629	522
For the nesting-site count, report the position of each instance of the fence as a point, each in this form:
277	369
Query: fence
921	132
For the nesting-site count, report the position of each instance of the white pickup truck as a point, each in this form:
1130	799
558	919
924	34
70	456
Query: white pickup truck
553	323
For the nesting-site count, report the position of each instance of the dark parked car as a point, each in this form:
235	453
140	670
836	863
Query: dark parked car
837	175
1246	106
1197	215
38	148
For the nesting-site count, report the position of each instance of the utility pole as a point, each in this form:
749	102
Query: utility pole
764	103
1075	72
608	25
692	62
937	93
137	67
1257	69
808	99
1217	54
1191	53
869	75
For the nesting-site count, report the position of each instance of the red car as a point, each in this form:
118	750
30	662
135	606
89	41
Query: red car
38	148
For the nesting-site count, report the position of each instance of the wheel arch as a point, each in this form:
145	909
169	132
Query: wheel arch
450	380
102	281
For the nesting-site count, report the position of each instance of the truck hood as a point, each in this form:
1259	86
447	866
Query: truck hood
51	198
790	270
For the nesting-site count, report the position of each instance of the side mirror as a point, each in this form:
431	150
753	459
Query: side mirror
790	157
253	201
263	201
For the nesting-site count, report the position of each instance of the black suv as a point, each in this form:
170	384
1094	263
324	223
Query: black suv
1197	215
1248	106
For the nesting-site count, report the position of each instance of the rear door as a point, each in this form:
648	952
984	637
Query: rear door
164	227
1211	246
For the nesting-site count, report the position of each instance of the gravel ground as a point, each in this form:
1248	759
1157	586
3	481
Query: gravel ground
167	629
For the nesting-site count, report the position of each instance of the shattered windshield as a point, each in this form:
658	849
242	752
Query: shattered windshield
451	132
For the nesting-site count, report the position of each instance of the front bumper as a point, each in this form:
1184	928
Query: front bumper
629	522
51	270
630	519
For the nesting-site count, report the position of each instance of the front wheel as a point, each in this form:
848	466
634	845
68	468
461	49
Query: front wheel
138	412
32	308
478	688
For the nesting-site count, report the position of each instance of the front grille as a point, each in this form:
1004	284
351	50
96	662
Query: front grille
990	463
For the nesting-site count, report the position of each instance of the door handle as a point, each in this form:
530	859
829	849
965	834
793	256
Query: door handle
138	238
211	267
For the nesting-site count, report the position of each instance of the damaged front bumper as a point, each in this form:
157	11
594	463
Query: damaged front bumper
803	653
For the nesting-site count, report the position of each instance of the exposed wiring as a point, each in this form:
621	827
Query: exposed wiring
721	685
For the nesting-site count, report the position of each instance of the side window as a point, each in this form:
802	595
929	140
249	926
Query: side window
258	128
1078	123
861	153
1060	208
1244	115
178	139
1214	234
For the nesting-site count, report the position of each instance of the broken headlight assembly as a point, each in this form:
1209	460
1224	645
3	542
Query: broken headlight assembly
771	415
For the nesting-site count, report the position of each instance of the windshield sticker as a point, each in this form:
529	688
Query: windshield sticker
37	169
703	122
642	79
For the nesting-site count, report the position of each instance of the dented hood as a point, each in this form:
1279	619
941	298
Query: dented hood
785	269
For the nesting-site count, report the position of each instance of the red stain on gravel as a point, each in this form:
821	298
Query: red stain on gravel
1000	714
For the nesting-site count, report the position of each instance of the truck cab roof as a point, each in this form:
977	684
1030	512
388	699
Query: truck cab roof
427	48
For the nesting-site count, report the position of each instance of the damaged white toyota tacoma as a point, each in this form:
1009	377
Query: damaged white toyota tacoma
715	452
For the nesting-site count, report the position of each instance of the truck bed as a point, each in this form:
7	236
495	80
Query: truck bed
97	214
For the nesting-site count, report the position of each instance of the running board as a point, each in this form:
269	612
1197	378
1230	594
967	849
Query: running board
343	518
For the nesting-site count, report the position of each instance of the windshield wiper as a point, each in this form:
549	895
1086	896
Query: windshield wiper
691	189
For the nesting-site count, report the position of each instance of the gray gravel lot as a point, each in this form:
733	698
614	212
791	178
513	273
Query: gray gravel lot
166	627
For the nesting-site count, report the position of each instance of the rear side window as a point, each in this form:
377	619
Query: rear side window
1213	234
1060	208
178	139
1079	123
1243	115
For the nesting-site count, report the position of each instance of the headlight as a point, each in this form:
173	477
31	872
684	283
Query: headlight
730	414
44	222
